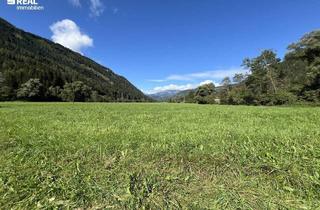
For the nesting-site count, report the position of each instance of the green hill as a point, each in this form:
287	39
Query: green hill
25	56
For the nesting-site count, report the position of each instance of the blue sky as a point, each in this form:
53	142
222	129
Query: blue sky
170	44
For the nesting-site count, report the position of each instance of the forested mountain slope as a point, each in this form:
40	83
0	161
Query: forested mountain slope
24	56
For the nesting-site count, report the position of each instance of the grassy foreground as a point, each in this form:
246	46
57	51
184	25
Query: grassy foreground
158	156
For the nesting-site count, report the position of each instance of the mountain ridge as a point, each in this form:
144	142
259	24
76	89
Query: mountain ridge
163	95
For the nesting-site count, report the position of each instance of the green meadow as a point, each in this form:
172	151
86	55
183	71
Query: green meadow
158	156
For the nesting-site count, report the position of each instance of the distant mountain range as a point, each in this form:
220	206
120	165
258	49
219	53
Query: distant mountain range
24	56
169	94
163	95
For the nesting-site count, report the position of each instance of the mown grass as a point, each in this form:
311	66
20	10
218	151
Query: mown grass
158	156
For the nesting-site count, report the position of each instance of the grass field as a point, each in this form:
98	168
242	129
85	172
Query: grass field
158	156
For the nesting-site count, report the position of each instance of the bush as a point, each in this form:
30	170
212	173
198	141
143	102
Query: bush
53	93
31	90
205	94
280	98
76	92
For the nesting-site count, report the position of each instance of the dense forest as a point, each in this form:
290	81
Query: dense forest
36	69
270	80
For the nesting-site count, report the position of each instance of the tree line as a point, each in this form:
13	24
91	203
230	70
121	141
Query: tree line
33	90
270	80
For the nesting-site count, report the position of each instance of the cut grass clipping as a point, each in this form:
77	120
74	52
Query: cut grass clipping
158	156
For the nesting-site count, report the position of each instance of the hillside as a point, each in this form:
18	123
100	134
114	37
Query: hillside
24	56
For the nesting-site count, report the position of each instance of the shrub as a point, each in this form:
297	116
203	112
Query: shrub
31	90
76	91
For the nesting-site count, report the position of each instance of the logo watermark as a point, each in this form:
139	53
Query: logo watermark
25	4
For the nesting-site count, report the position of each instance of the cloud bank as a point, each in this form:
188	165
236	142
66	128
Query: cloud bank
179	87
218	74
67	33
193	79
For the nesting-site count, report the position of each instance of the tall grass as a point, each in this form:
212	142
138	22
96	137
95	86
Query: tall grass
158	156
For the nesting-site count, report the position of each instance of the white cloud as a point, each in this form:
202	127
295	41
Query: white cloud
214	74
75	3
96	8
67	33
157	80
208	82
179	87
170	87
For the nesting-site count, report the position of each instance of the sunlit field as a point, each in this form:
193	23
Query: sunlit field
158	156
